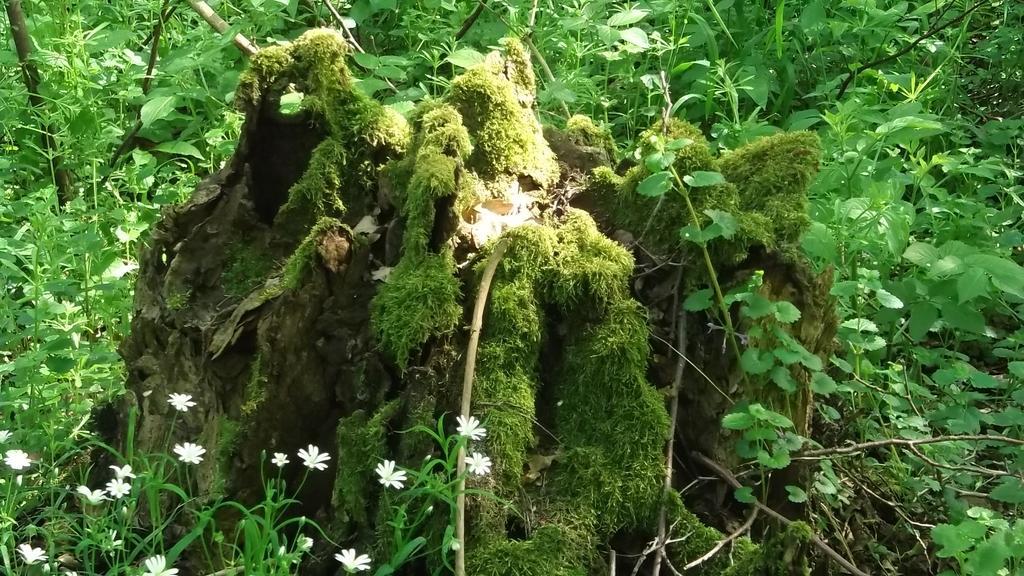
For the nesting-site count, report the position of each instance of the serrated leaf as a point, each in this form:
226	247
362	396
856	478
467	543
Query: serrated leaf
922	316
783	379
860	325
465	58
1009	490
757	306
786	312
701	179
699	300
776	461
658	161
637	37
627	17
655	185
744	495
157	109
921	253
971	284
887	299
951	540
754	362
963	318
796	494
737	421
725	221
822	383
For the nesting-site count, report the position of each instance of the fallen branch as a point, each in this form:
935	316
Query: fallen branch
721	543
218	24
467	395
903	51
724	474
855	448
30	75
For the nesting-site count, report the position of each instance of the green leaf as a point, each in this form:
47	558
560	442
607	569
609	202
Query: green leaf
822	383
1006	275
657	161
637	37
860	325
885	298
796	494
963	318
699	300
783	379
818	242
627	17
157	109
922	316
776	461
179	148
1017	369
465	58
737	421
786	312
989	557
770	416
1009	490
757	306
921	253
655	185
744	495
701	179
971	284
907	128
951	540
367	61
726	223
754	362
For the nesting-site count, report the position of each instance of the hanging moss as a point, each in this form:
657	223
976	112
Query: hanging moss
303	260
420	300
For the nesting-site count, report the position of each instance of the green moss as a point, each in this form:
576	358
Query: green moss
247	266
179	299
772	175
420	300
584	132
303	260
593	270
549	552
508	138
255	389
361	445
227	445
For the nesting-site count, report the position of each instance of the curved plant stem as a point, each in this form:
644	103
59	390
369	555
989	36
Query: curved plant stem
467	395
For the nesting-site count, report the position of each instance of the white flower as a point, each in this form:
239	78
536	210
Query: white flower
471	428
181	402
454	545
93	497
313	459
351	562
123	472
115	542
5	435
390	477
279	459
118	488
281	551
305	543
17	459
157	566
31	555
189	453
478	464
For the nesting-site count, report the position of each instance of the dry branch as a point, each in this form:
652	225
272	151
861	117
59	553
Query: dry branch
218	24
855	448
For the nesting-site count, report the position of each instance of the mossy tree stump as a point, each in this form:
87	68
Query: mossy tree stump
317	290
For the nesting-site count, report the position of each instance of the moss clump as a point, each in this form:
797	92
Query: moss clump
772	175
303	260
584	132
361	444
508	138
549	552
420	300
592	269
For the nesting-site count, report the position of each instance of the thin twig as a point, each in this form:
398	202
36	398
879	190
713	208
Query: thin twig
218	24
732	481
473	17
903	51
467	396
677	381
855	448
30	75
721	543
349	36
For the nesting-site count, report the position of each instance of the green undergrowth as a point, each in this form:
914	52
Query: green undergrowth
765	192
